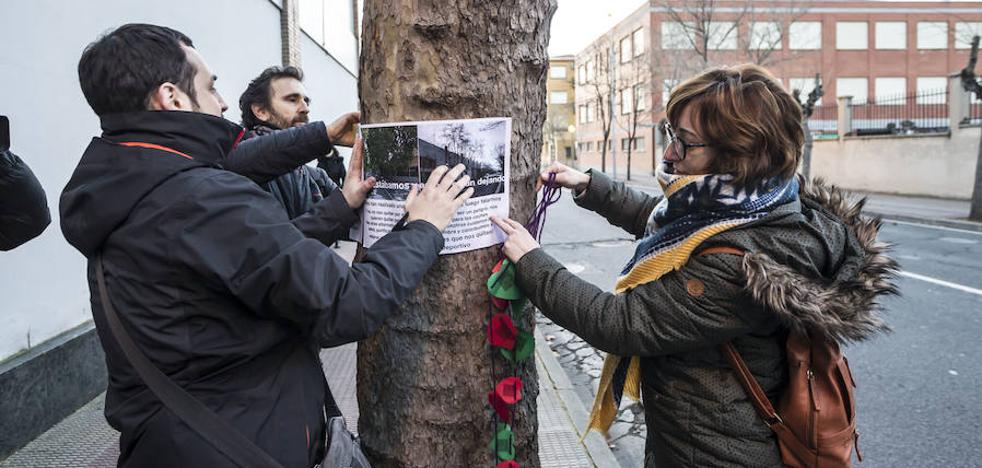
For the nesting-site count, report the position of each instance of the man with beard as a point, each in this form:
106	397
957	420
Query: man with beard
276	100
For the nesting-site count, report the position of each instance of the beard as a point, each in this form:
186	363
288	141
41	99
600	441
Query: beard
282	122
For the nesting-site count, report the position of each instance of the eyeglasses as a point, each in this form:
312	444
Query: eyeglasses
677	143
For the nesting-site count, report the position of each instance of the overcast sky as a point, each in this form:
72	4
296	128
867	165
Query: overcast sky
578	22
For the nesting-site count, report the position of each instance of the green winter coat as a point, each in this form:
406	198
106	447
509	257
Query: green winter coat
813	264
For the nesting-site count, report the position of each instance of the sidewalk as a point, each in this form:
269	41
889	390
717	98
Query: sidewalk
84	439
913	209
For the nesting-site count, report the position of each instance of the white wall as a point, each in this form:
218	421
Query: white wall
934	166
42	284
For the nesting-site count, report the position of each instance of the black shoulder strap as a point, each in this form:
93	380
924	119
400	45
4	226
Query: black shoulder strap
195	414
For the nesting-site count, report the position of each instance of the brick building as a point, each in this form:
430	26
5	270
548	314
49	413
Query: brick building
868	50
558	131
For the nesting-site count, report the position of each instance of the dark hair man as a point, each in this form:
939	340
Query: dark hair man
23	204
228	297
277	100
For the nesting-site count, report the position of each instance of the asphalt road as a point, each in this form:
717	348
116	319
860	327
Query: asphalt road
919	388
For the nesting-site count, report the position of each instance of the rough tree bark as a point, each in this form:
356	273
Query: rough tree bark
423	380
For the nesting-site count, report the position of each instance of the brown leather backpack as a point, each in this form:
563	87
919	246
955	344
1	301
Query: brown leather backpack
815	422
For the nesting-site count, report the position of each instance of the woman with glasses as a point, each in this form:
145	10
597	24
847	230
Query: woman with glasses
738	250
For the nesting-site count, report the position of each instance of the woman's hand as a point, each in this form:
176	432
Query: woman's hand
565	176
519	241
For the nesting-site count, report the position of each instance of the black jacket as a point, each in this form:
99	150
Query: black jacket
23	205
299	189
223	292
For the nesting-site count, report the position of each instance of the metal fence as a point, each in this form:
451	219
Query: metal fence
824	119
902	114
975	112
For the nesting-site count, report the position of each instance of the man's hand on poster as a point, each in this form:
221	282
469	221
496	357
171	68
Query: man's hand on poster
566	177
355	190
342	131
519	242
437	202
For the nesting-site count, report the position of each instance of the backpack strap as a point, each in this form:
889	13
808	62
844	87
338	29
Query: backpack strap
209	425
758	398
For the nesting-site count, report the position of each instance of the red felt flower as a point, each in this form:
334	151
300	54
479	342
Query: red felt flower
507	464
501	331
509	390
499	406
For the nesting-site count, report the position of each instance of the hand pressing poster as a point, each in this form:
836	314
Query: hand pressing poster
400	155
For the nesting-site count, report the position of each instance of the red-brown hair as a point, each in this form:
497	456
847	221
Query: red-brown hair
751	124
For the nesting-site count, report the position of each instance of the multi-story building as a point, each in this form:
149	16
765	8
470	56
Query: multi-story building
559	129
867	50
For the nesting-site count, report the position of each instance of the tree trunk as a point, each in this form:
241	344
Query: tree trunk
806	154
423	379
975	208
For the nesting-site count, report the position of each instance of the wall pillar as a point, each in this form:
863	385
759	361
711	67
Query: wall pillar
959	103
845	116
290	32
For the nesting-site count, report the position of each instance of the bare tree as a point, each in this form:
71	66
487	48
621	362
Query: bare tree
807	108
423	379
766	32
598	84
703	26
633	99
971	83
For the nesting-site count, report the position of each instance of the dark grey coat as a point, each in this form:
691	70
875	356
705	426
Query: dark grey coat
811	264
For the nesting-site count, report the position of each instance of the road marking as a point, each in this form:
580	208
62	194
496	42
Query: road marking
942	283
958	240
928	226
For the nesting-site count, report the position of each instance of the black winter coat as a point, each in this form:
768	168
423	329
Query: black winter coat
23	204
224	293
299	189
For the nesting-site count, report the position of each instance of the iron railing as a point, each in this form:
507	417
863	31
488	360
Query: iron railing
902	114
824	119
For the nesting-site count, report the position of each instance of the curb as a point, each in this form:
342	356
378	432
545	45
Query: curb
594	443
948	223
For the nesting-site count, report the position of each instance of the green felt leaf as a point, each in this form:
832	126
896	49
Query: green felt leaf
524	345
501	284
503	444
507	354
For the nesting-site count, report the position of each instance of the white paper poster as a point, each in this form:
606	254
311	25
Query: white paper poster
400	155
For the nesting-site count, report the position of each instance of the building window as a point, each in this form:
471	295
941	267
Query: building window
676	35
589	146
805	35
805	85
858	88
851	35
932	35
639	144
964	33
933	85
581	74
581	114
590	116
558	97
891	35
626	101
666	91
890	91
722	35
625	48
637	38
765	36
624	144
591	70
557	72
639	97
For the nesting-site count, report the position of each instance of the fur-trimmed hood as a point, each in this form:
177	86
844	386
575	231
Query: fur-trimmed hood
843	306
